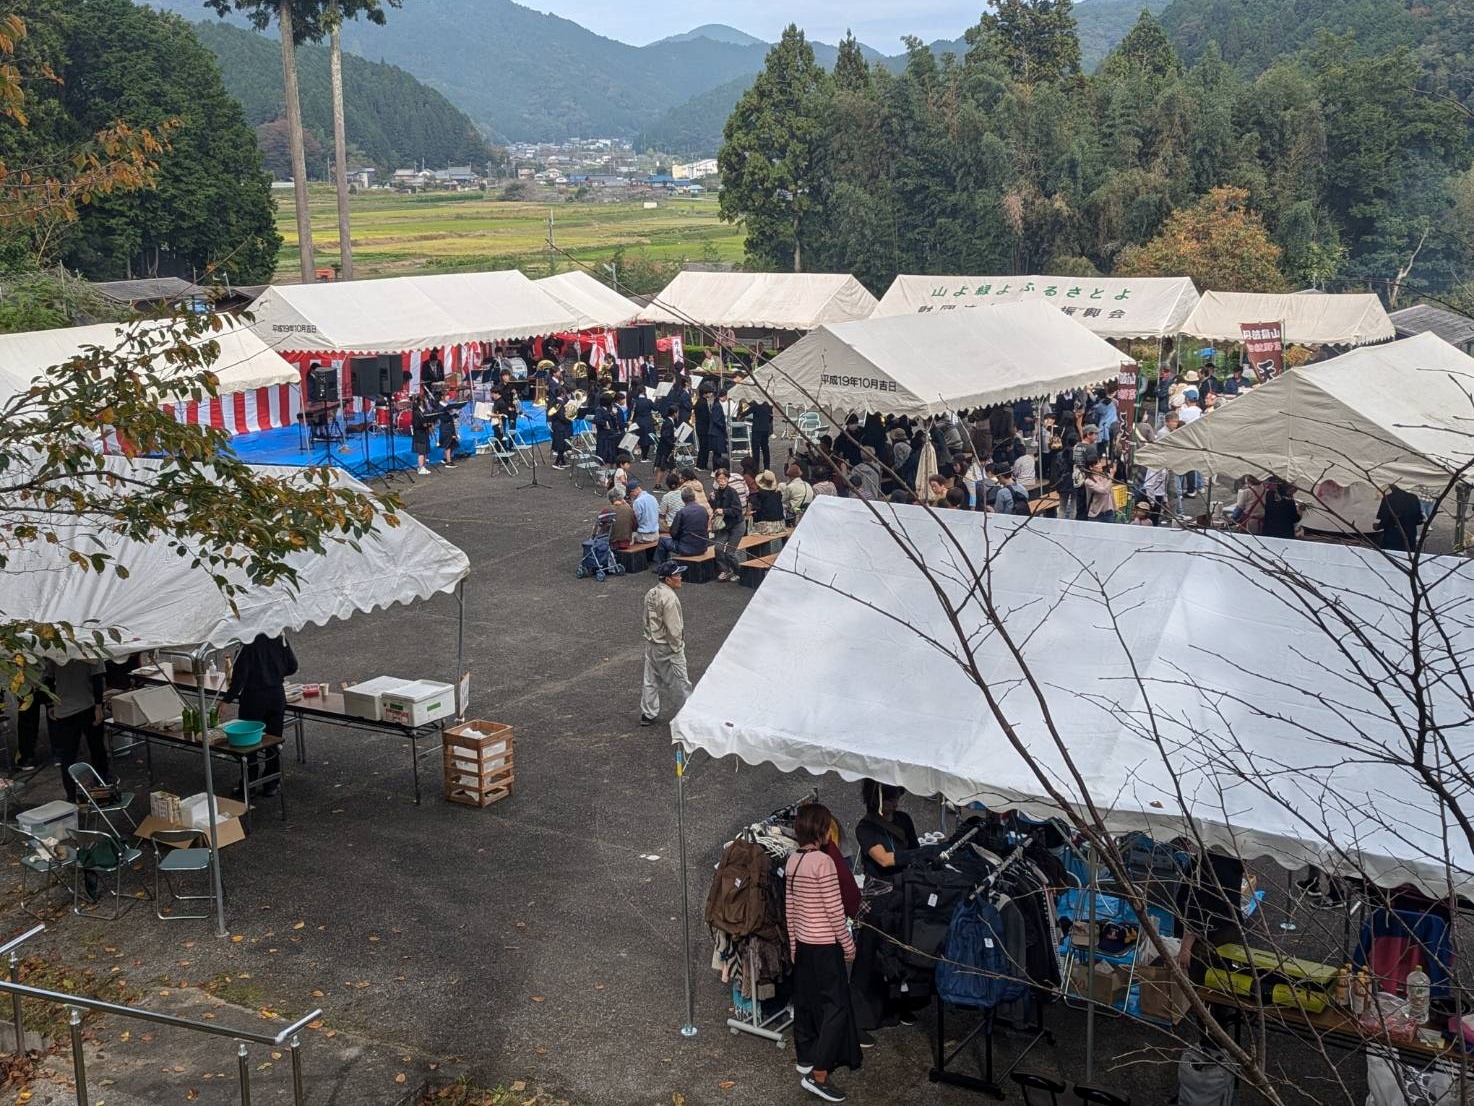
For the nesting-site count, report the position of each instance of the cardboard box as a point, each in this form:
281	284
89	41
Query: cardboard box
1162	999
227	831
419	703
366	700
1105	984
49	822
147	706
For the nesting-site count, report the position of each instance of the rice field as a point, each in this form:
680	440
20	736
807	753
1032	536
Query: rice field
396	234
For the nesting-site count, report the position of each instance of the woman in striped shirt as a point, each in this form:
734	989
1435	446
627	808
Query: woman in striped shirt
819	942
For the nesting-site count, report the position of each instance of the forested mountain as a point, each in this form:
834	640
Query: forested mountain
210	206
392	120
1332	168
694	129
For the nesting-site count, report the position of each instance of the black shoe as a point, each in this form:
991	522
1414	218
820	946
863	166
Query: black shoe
826	1090
866	1041
648	719
27	764
907	1019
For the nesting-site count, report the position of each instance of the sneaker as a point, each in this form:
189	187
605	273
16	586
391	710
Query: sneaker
26	764
648	719
866	1041
422	471
449	465
560	468
803	1069
826	1090
907	1018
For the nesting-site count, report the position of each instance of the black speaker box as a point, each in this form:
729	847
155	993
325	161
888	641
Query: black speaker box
322	384
629	342
374	376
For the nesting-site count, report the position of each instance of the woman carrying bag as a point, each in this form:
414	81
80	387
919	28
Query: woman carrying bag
820	946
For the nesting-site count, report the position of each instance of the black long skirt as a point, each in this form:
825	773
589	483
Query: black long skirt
824	1032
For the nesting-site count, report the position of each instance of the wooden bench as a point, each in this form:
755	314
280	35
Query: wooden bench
1046	502
762	544
637	557
701	568
752	572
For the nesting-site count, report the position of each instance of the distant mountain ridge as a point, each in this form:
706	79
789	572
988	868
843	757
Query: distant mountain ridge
524	75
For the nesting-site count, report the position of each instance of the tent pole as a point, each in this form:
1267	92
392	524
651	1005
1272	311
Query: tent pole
460	648
198	658
1461	515
689	1028
1090	968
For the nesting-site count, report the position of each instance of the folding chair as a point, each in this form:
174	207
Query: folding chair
505	455
587	463
40	858
184	858
93	791
101	854
739	440
1031	1083
1095	1096
528	450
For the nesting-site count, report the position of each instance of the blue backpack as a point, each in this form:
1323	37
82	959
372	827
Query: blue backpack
975	969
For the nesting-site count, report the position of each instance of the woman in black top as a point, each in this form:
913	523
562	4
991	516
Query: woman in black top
884	832
766	502
256	683
1281	512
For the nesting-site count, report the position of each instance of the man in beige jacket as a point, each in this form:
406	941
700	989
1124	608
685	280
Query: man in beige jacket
665	645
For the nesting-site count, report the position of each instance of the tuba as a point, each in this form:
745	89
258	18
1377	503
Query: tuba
575	404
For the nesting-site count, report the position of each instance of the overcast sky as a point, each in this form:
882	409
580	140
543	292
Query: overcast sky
877	23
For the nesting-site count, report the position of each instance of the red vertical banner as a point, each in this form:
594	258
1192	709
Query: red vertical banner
1264	345
1126	388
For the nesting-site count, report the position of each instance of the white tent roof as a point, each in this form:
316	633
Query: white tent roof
1256	754
406	313
1398	413
592	302
927	364
1113	307
1310	320
244	362
761	301
163	603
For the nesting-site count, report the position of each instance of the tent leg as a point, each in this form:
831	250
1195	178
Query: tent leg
460	649
1090	967
689	1028
210	809
1461	515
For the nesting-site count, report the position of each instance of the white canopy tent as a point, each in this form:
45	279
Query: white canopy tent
403	314
760	301
1400	413
244	364
1282	768
1309	319
929	364
164	604
1113	307
594	304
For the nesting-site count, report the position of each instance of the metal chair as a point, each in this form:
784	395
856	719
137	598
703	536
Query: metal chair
1094	1096
91	788
1030	1082
739	440
49	861
183	858
503	453
526	448
100	853
587	463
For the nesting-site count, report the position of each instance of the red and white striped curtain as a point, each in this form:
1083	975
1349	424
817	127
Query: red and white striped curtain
242	412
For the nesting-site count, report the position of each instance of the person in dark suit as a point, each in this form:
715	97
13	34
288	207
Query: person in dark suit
256	683
704	403
642	417
606	420
1399	520
760	414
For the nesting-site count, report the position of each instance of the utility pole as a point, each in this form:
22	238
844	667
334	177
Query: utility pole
552	263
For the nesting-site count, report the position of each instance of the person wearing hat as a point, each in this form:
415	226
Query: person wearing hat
646	511
1004	497
1141	514
665	646
767	505
728	521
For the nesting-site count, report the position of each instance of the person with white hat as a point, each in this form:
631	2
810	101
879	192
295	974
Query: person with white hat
665	646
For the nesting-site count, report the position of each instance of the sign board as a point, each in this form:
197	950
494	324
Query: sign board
1264	347
1126	386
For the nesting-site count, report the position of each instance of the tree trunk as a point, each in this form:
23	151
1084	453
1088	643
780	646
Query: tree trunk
798	266
340	144
294	131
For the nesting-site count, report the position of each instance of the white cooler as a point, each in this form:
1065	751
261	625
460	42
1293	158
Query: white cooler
49	822
419	703
365	700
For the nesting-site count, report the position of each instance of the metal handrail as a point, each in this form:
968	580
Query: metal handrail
75	1004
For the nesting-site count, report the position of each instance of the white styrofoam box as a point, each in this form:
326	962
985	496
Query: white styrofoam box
419	703
195	811
147	706
365	700
49	822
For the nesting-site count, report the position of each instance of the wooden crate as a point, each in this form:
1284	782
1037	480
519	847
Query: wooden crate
477	758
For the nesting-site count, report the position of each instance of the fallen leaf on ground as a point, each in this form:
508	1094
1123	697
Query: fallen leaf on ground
299	925
400	1078
727	1084
537	998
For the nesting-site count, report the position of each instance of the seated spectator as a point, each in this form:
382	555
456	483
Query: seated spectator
797	494
689	480
624	520
690	530
670	503
869	473
956	498
824	481
904	496
646	512
767	505
857	487
619	475
1005	497
1026	467
936	490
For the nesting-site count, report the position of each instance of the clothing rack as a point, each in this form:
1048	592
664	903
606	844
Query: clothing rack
989	1082
951	850
772	1027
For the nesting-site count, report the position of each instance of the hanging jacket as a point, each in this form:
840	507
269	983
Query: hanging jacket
980	966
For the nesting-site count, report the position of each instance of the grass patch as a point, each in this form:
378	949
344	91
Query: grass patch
464	1093
50	973
398	234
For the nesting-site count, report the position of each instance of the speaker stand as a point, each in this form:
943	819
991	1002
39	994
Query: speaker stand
533	483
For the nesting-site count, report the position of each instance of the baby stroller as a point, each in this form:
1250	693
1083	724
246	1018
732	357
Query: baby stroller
598	559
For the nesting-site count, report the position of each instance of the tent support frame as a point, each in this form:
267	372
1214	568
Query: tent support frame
197	660
688	1028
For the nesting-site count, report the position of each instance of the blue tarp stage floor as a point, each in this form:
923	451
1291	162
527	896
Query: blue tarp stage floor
366	455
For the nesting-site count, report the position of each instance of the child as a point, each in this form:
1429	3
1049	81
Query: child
1141	515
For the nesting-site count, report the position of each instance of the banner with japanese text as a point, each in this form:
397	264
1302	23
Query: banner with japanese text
1264	348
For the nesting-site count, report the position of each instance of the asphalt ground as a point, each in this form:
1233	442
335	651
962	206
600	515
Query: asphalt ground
540	939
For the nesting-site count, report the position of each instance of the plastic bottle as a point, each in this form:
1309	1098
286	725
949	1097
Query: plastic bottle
1419	991
1361	992
1341	993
